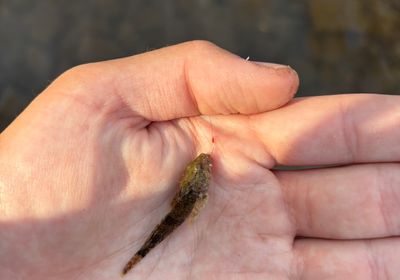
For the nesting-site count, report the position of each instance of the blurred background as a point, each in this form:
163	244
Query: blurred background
336	46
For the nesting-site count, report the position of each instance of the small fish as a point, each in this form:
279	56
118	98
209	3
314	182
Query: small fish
189	200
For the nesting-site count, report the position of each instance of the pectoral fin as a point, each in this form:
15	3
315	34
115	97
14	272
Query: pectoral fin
200	203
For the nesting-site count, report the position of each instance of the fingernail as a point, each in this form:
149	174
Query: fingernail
272	65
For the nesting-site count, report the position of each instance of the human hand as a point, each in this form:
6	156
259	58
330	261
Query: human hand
90	167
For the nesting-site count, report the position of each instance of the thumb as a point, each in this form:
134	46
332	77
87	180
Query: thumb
194	78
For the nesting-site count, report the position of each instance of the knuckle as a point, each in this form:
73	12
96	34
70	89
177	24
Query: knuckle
85	77
201	46
80	85
77	74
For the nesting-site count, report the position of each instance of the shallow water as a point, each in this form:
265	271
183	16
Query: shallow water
336	46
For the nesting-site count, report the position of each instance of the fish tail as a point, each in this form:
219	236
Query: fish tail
162	230
132	262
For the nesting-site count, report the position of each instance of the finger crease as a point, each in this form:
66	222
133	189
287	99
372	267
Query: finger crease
382	204
372	260
350	138
188	86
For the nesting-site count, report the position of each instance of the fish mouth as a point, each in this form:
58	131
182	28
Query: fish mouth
205	161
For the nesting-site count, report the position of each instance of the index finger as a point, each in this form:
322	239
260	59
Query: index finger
339	129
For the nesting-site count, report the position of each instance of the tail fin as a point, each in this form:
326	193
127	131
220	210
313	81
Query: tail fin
132	262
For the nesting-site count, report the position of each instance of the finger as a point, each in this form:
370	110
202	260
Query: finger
361	201
333	130
191	79
362	259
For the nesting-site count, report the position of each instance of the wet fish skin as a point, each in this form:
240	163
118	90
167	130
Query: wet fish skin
191	197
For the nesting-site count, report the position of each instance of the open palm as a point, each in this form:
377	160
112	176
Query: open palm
91	166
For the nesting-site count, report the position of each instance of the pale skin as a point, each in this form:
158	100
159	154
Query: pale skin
91	165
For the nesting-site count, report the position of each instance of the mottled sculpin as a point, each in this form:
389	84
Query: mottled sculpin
190	198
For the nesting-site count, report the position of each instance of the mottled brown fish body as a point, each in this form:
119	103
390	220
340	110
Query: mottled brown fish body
193	189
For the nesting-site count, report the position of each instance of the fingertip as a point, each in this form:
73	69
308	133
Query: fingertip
289	75
274	85
224	83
